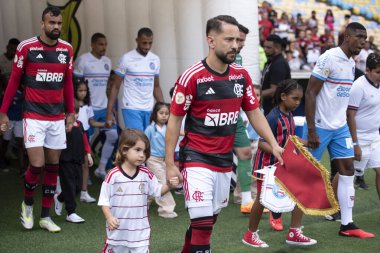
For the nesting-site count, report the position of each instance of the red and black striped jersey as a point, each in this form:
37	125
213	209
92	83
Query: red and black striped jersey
212	102
46	72
282	126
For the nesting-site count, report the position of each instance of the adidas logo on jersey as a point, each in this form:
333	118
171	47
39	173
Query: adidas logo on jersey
39	56
119	189
210	91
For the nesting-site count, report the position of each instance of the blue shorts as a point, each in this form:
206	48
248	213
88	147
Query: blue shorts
338	143
136	119
100	116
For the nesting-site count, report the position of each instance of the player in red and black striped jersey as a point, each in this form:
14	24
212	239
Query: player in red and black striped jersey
44	64
210	94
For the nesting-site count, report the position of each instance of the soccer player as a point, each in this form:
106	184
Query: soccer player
95	67
326	101
363	119
242	147
210	94
44	64
138	70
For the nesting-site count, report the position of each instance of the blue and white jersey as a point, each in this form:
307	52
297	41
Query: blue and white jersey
96	71
365	100
139	72
338	72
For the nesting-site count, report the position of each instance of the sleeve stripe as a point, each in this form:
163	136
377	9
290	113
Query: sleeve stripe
318	76
26	42
354	108
189	72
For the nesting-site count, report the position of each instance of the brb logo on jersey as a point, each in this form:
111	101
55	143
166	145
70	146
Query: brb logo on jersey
216	118
44	76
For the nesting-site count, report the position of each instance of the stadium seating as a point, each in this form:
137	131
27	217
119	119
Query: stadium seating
361	8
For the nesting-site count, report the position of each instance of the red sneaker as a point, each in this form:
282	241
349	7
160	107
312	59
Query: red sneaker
351	230
296	237
276	224
252	239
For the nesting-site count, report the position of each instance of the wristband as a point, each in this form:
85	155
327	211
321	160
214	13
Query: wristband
355	143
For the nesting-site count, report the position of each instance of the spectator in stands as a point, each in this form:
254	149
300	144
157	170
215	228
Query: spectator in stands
312	22
276	70
303	44
361	58
299	25
315	40
265	26
283	29
329	19
347	20
313	53
372	46
295	63
326	40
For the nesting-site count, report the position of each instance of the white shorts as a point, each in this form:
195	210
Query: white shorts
370	157
204	187
14	129
124	249
42	133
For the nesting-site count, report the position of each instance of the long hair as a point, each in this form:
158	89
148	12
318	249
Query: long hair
78	81
128	139
156	108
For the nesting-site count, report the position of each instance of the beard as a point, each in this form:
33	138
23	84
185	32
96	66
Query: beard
53	36
224	57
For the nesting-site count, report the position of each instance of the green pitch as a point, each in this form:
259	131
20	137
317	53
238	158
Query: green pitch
167	234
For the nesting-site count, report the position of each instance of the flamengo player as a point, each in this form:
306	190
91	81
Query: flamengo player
44	64
211	93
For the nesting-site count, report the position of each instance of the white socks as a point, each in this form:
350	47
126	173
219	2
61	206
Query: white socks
108	147
246	198
346	196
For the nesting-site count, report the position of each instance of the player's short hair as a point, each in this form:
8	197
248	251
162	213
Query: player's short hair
128	139
54	10
13	41
275	39
373	61
243	29
96	36
145	31
353	26
215	24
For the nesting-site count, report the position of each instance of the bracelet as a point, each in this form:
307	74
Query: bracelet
355	143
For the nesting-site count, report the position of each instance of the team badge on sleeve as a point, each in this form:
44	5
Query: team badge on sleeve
179	98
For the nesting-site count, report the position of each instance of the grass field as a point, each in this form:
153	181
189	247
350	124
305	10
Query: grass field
167	234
